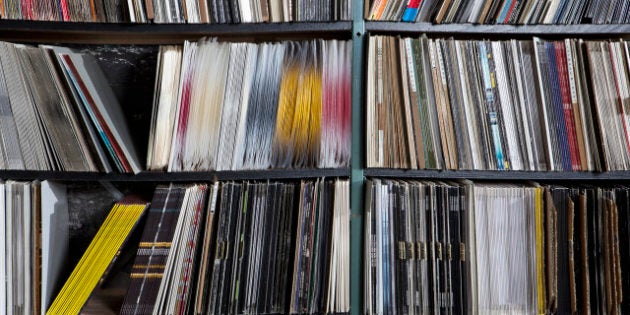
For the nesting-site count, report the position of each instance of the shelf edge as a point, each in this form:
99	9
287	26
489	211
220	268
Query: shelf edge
589	30
128	33
500	175
148	176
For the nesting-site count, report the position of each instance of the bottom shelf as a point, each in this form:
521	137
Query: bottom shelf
496	248
241	247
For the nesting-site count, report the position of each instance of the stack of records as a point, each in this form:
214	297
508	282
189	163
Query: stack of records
177	11
531	105
244	248
465	248
415	237
247	11
34	246
59	113
501	11
113	11
234	106
100	256
164	263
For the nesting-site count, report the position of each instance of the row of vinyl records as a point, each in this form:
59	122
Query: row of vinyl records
469	248
220	248
498	105
253	106
218	106
177	11
500	11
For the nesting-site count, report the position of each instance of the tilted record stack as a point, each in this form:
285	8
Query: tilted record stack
99	258
468	248
532	105
60	113
235	106
176	11
244	248
501	11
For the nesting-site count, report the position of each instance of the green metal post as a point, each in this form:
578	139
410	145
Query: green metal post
358	132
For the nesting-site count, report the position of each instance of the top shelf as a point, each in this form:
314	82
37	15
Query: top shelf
134	33
490	31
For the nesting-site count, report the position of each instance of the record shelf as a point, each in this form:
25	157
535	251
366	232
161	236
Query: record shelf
465	32
147	36
153	34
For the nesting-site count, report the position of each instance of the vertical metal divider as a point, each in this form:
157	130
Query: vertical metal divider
357	162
